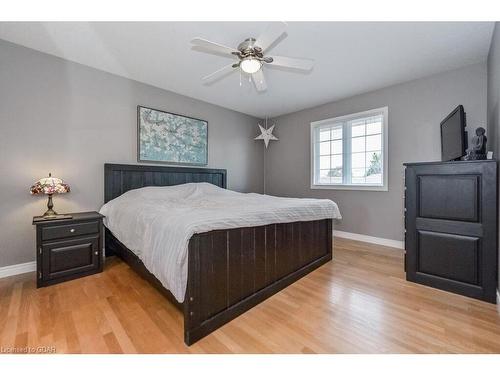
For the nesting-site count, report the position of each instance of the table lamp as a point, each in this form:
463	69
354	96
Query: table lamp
50	185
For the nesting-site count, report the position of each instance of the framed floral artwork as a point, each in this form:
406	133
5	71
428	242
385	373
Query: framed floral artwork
164	137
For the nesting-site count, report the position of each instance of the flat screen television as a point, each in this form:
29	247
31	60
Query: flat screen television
453	135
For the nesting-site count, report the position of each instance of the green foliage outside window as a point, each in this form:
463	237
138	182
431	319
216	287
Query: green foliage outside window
375	165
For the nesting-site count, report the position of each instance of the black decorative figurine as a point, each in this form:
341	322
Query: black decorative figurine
477	151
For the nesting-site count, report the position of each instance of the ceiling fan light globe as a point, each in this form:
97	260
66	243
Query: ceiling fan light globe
250	66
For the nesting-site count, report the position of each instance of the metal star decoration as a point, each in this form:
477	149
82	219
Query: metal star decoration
266	135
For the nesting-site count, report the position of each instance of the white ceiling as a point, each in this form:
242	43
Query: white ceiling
350	57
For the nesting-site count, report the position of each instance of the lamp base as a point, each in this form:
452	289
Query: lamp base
50	213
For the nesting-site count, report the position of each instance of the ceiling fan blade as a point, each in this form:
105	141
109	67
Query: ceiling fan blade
291	62
212	46
218	74
259	81
270	35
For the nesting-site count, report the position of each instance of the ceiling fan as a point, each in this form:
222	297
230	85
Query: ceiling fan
251	56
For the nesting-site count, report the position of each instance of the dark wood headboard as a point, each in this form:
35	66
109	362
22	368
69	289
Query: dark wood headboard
120	178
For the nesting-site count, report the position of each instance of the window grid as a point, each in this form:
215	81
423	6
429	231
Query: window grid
359	174
330	174
349	170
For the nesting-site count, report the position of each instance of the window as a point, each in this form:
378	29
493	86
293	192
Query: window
350	152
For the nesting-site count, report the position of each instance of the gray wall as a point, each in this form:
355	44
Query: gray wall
494	101
494	92
415	111
61	117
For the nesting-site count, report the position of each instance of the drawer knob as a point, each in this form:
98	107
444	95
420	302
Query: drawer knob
72	230
96	253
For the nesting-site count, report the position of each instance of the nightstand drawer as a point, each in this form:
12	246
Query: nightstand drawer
69	230
69	257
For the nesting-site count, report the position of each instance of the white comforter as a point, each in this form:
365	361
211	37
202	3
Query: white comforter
156	223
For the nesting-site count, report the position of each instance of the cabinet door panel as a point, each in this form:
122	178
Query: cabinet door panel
63	258
452	197
449	255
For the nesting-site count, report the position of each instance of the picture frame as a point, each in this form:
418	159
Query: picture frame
170	138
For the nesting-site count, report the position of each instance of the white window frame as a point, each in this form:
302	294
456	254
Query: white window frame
384	111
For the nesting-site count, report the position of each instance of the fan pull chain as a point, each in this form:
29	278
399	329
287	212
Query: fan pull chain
241	84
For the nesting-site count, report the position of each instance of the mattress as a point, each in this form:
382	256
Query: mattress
156	223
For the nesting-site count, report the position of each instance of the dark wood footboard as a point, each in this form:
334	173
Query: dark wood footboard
231	271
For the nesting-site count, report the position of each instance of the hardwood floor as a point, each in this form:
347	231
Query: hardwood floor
358	303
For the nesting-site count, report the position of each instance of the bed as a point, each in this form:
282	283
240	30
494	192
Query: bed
228	271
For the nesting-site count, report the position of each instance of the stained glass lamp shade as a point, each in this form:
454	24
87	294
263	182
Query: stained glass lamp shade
50	185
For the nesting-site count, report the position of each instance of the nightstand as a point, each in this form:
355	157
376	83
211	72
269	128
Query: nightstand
68	248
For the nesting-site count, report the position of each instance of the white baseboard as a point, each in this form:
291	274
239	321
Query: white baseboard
498	300
17	269
370	239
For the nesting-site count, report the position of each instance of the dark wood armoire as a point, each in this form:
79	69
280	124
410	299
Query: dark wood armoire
451	228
